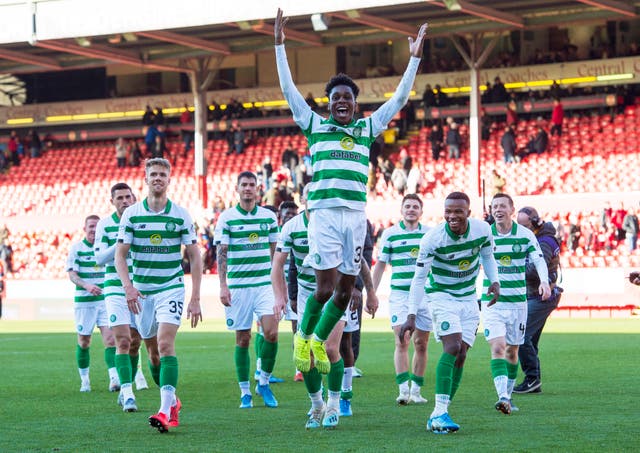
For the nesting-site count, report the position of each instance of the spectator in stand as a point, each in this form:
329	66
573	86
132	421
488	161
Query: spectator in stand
158	118
267	172
121	153
617	219
575	232
150	139
148	118
538	143
311	102
12	149
238	140
630	227
135	155
6	256
557	117
160	148
554	90
512	114
405	160
414	179
606	214
454	141
498	92
35	144
186	129
386	167
3	288
508	143
290	160
441	98
498	182
485	97
399	179
436	138
428	98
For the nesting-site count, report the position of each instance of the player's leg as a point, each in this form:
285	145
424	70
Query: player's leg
119	322
495	322
268	357
334	378
349	357
84	319
168	376
243	364
512	372
134	356
418	365
258	342
109	341
401	364
469	318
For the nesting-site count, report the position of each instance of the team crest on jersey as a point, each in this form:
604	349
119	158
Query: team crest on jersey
347	143
464	265
517	248
445	325
414	252
96	267
170	226
357	131
505	260
253	238
155	239
264	226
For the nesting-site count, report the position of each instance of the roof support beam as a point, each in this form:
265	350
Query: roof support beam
375	22
612	5
103	52
187	41
23	57
306	38
490	14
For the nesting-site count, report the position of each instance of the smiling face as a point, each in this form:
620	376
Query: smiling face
411	211
456	214
157	178
90	229
342	104
121	200
502	210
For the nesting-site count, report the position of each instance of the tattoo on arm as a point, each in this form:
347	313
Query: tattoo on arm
365	273
222	250
75	279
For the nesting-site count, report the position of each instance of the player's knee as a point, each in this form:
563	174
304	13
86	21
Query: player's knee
323	293
124	345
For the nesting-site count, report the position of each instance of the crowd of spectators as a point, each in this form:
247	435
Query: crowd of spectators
19	148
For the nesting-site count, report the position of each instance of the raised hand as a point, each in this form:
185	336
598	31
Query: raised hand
278	29
415	46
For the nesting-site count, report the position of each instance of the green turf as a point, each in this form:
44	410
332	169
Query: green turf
589	400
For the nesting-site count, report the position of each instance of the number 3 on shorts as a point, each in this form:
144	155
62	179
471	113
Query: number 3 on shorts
175	307
357	257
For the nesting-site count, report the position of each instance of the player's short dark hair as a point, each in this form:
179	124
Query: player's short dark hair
271	208
91	217
342	79
119	186
247	174
459	196
503	195
287	205
412	196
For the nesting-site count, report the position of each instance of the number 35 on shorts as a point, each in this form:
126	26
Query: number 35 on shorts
176	307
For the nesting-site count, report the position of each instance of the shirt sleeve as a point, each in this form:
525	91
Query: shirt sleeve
72	262
381	117
189	235
302	113
101	250
125	231
489	264
423	266
284	241
384	254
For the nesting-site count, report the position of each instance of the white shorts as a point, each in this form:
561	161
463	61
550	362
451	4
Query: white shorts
118	311
88	317
353	323
245	302
336	239
289	314
509	322
303	295
451	316
399	310
164	307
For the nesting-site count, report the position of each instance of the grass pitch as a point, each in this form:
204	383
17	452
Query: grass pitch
589	400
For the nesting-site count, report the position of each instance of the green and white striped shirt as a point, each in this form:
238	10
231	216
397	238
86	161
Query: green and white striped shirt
104	246
511	253
156	239
82	261
400	248
294	238
248	235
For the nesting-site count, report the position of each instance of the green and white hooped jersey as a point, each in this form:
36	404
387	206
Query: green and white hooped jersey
400	248
340	162
511	252
294	238
106	237
454	260
248	235
82	260
156	239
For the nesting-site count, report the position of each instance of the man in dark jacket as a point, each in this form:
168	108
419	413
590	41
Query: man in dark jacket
538	310
508	143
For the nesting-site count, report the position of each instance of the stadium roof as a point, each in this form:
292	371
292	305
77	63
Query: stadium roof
126	36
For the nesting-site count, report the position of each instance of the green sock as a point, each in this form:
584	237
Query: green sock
512	370
82	357
155	372
268	355
134	359
455	383
169	371
311	315
312	380
123	365
330	317
419	380
110	356
334	379
346	395
241	358
258	344
444	374
402	377
498	367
